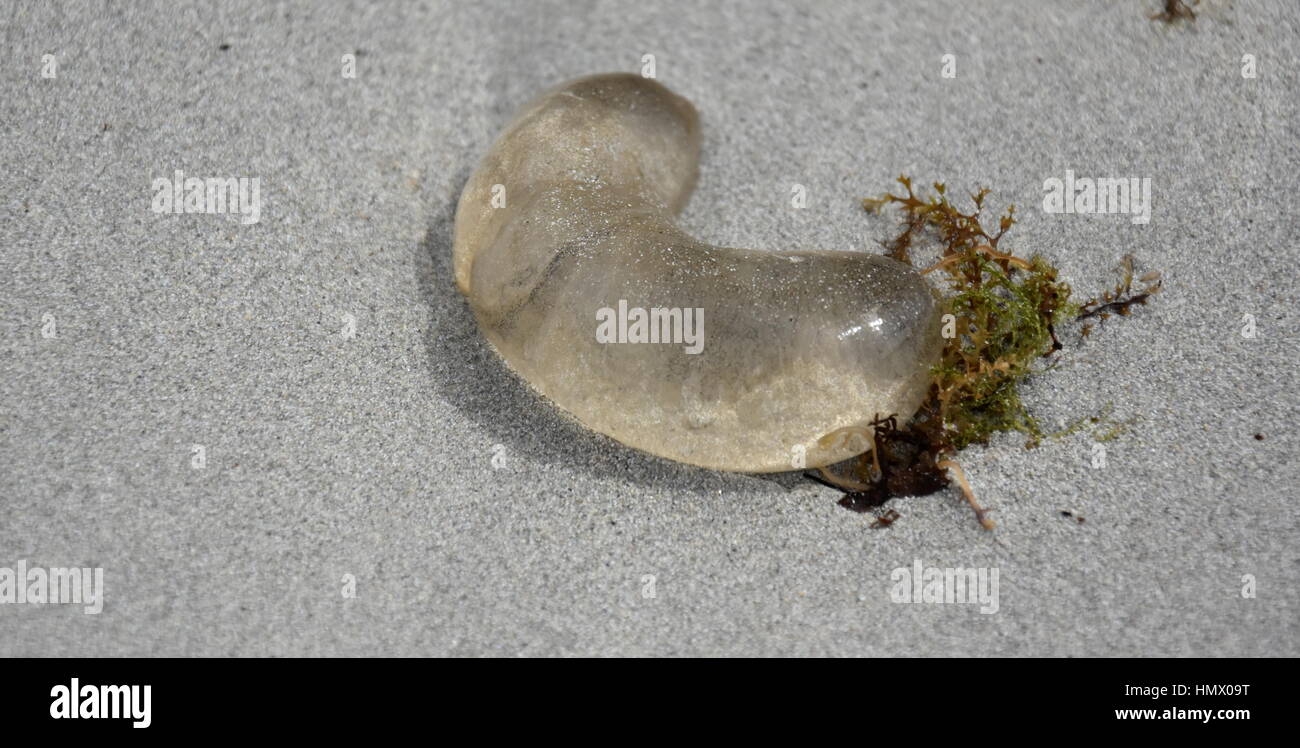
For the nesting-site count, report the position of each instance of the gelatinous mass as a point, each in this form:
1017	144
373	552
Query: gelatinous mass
734	359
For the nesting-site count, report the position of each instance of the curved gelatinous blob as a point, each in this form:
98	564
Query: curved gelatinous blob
734	359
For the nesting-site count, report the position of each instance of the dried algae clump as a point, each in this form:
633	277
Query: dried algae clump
1000	318
1001	315
734	359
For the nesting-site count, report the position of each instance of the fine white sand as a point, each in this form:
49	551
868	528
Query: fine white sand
372	456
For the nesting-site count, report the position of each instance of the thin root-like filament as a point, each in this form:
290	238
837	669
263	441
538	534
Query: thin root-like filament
980	512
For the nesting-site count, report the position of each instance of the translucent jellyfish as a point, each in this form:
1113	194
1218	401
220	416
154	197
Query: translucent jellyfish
735	359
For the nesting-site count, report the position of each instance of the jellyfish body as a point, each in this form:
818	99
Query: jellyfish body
735	359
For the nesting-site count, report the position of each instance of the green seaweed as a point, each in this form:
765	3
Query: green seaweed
1004	312
1001	317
